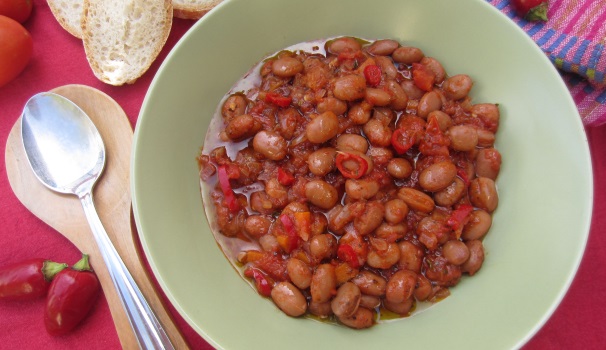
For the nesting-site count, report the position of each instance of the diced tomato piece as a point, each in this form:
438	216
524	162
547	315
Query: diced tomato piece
423	77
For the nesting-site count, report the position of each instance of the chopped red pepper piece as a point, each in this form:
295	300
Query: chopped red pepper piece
346	253
230	197
285	178
434	142
463	175
402	140
372	73
360	168
423	77
261	282
291	241
277	99
459	216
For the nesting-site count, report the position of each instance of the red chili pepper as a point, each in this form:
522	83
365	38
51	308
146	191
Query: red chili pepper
463	175
28	280
71	296
361	165
277	99
285	178
531	10
291	241
372	73
402	140
261	282
230	198
346	253
423	77
459	216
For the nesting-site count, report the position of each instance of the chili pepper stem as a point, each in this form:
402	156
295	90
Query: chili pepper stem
537	13
51	268
82	264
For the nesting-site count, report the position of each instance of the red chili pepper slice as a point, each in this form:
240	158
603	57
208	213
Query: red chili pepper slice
230	198
291	241
459	216
71	296
372	73
277	99
285	178
423	77
28	280
402	140
261	282
359	169
346	253
463	175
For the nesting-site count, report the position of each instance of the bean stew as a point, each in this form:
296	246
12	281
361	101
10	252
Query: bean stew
351	181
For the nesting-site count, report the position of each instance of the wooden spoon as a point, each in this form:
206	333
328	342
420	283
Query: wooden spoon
64	213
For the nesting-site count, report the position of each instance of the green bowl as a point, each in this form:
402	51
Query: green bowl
540	228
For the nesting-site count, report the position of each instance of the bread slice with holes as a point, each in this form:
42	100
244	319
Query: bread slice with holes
122	38
193	9
69	15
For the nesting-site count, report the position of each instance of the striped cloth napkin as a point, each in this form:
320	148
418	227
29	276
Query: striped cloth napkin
574	39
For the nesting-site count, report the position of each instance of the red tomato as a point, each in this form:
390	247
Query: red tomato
16	48
19	10
531	10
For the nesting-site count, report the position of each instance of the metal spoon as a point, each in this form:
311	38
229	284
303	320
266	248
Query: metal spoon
67	154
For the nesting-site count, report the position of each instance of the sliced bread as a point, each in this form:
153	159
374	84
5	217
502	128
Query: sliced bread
123	38
193	9
69	15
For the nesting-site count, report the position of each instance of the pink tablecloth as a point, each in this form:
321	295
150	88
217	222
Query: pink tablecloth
578	323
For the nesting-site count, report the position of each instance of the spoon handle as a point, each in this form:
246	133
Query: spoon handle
147	328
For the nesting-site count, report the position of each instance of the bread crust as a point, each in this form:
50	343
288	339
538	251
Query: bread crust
194	10
108	55
69	15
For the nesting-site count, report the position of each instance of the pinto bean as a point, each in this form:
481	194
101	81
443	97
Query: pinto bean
295	207
436	67
359	113
477	226
424	290
322	128
457	86
402	309
362	318
377	97
270	144
383	47
431	101
400	286
332	104
384	259
319	223
451	194
391	232
352	142
241	127
380	155
233	106
438	176
286	67
407	55
485	138
323	283
349	87
399	168
399	99
340	216
483	194
370	302
456	252
377	133
322	161
342	44
411	256
412	90
347	300
463	137
299	273
260	202
416	200
370	219
488	163
323	246
387	67
257	225
289	299
488	114
476	257
321	194
443	119
370	283
396	211
269	243
322	310
361	189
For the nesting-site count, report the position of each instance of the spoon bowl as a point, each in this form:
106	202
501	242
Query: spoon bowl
67	154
